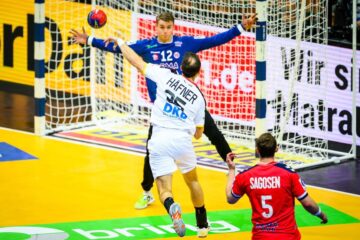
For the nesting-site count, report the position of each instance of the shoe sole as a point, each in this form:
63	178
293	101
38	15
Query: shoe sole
178	222
204	234
179	227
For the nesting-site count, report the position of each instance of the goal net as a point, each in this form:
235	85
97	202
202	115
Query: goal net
86	86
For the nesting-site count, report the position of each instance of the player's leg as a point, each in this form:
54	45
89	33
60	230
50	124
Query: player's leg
187	166
146	197
163	166
215	136
148	178
164	186
197	197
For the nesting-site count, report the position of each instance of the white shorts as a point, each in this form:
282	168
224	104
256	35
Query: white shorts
169	149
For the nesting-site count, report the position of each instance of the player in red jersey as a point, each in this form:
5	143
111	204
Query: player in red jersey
271	188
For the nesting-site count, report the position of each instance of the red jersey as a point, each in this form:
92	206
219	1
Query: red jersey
271	189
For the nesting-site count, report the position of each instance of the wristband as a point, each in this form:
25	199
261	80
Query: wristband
89	40
241	28
318	214
120	42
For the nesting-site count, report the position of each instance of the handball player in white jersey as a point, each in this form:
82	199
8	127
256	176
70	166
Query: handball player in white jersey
177	115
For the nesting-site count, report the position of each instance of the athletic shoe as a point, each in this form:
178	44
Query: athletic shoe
144	201
175	213
203	232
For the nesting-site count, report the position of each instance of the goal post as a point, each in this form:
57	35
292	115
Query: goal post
260	89
287	51
39	55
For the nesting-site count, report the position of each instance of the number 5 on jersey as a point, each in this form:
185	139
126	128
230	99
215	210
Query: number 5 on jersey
268	207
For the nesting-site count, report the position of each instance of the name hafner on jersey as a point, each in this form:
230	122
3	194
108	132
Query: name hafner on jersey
179	103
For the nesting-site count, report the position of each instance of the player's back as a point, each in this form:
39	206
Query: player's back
179	103
271	191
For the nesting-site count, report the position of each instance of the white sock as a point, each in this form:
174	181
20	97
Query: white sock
148	193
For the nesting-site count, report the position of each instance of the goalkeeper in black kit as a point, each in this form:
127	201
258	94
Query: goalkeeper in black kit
167	50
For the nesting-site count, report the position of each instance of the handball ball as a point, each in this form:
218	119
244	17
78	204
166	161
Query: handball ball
96	18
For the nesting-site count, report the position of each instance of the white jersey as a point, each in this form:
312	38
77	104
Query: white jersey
179	104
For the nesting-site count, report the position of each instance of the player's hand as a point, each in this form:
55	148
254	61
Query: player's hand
78	37
111	40
249	22
323	218
118	35
229	160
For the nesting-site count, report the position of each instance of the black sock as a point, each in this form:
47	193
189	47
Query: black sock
201	219
168	202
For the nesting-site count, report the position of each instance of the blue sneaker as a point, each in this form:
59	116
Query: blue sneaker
175	213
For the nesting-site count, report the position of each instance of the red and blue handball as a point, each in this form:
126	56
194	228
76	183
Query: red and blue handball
97	18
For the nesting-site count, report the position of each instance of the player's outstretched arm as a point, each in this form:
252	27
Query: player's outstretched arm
310	205
83	38
79	37
201	43
133	58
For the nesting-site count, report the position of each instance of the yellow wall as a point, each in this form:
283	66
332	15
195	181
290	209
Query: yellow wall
16	18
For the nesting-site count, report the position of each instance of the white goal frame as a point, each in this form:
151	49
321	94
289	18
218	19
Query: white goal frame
263	118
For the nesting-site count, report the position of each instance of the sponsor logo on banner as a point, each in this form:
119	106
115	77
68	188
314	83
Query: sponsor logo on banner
321	104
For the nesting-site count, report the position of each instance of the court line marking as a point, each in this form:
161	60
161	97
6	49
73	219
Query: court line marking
79	142
97	145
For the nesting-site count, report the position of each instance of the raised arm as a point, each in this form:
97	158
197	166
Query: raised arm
203	43
130	55
83	38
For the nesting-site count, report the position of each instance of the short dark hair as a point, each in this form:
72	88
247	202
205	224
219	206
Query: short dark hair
266	145
166	17
190	64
